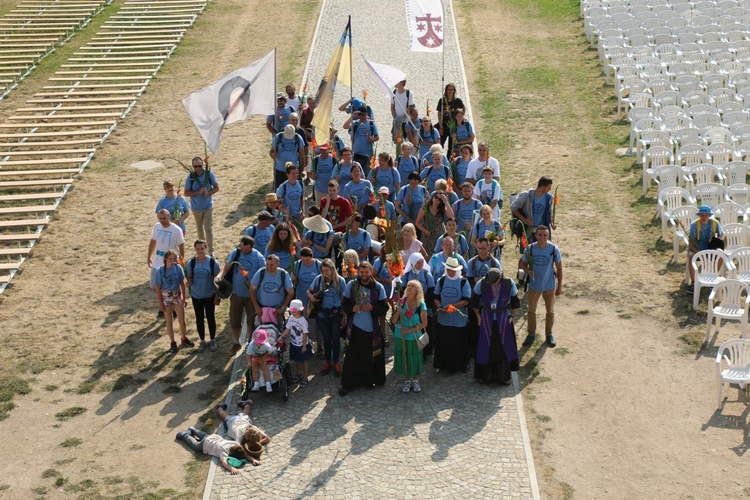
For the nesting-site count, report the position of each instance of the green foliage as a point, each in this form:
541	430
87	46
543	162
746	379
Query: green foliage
50	473
71	443
69	413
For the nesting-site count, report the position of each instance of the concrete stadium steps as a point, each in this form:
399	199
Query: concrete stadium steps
53	137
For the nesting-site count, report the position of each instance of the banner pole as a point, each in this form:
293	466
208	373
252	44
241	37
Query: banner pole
351	64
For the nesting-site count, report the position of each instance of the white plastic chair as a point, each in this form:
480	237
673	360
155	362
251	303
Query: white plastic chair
718	134
692	154
736	118
735	236
680	219
720	153
703	173
738	193
711	267
740	258
668	176
730	212
735	172
652	139
729	107
728	300
668	200
736	354
688	81
710	194
707	120
656	156
685	136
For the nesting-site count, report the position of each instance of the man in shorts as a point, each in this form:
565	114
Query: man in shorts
165	235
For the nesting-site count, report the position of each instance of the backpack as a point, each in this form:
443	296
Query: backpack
474	265
192	263
480	183
441	282
334	161
356	124
495	225
263	275
297	141
224	287
296	266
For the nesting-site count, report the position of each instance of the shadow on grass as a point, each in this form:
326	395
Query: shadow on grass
126	302
249	206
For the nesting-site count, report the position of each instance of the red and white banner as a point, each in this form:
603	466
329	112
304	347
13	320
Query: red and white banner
425	19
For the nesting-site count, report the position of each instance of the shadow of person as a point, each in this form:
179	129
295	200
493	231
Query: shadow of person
724	421
325	420
127	302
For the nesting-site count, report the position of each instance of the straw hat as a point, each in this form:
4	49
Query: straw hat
271	198
452	264
316	224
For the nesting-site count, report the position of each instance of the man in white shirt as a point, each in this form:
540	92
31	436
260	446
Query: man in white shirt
401	100
164	236
476	166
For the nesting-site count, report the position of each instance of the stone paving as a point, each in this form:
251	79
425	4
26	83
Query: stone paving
456	437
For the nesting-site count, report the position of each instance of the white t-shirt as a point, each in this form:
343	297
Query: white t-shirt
485	192
294	103
237	425
296	328
167	238
402	102
474	170
217	446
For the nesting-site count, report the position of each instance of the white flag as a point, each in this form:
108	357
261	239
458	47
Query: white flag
386	76
425	20
248	91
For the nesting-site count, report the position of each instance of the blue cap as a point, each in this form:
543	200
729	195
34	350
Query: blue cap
356	104
705	209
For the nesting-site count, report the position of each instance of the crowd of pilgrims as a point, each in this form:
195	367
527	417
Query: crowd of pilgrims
318	261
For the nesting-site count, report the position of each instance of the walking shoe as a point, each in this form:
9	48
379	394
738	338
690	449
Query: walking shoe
202	346
256	387
186	342
242	404
336	370
182	435
327	367
551	340
416	387
268	387
173	348
223	406
529	340
691	288
303	382
160	315
407	387
235	347
212	346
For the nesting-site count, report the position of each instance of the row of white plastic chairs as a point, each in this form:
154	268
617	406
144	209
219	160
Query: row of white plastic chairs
715	141
705	176
677	205
658	152
722	107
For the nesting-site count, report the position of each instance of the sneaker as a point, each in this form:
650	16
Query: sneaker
235	348
529	340
212	346
223	406
303	382
242	404
551	340
407	387
327	367
186	342
268	387
336	370
256	387
691	288
173	348
202	346
297	379
182	435
160	315
416	387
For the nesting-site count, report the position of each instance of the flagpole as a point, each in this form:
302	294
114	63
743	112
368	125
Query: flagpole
442	77
276	84
351	65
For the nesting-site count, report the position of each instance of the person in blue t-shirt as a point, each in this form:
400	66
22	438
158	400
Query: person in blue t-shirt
385	175
465	208
327	290
407	162
262	231
292	192
342	172
322	171
410	199
200	186
462	163
319	235
287	146
201	272
438	259
305	269
241	264
428	136
534	208
175	203
358	239
275	123
283	244
452	294
435	171
364	134
463	132
459	244
542	263
271	287
705	234
170	291
358	190
390	208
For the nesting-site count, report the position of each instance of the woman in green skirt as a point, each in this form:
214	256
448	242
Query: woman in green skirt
410	318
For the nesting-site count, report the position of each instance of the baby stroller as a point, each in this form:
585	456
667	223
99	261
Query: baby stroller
280	371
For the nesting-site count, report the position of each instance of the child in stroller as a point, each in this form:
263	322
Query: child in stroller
260	353
277	373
